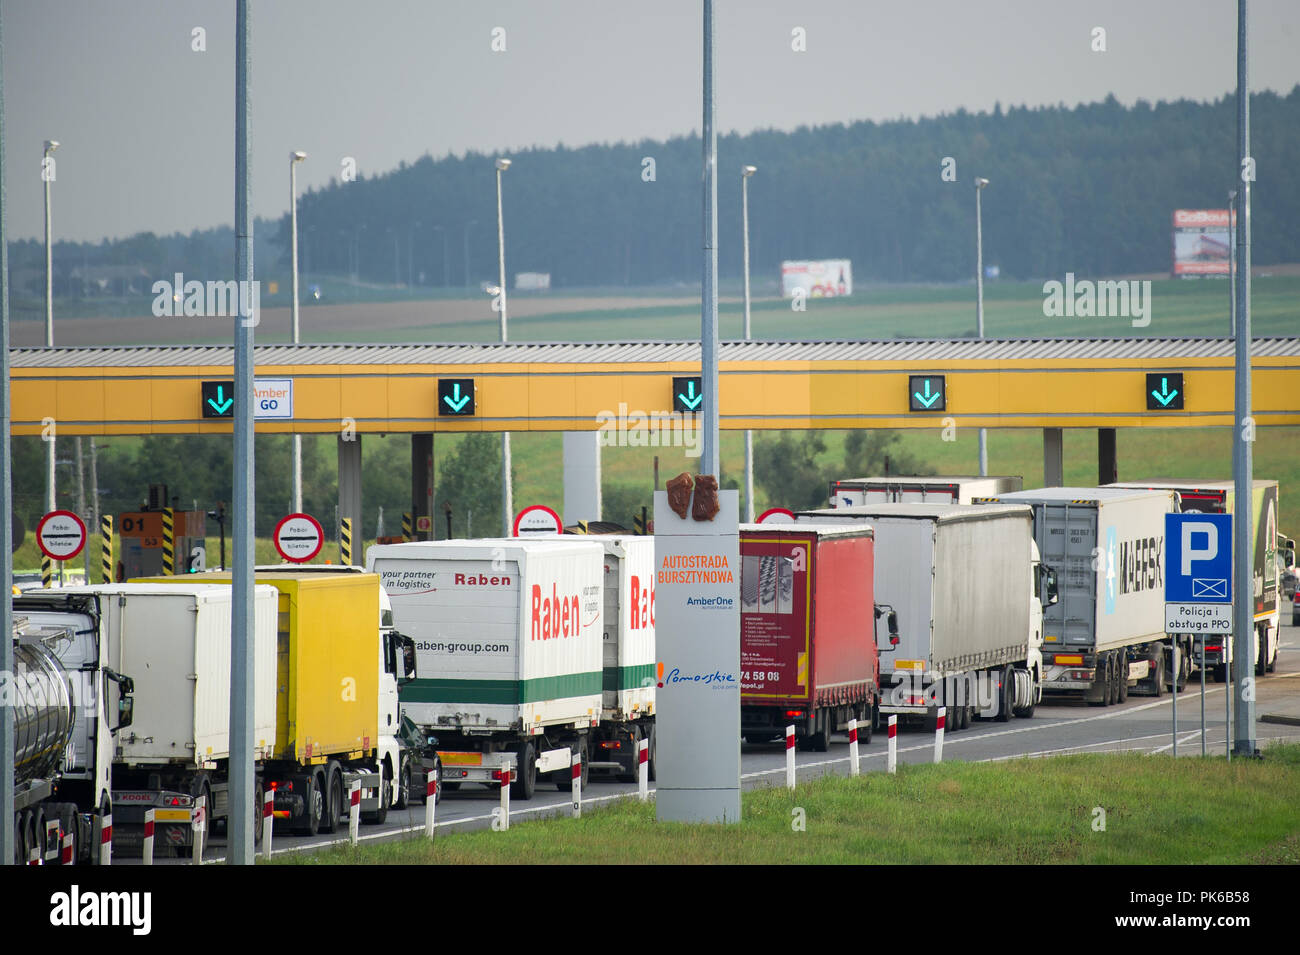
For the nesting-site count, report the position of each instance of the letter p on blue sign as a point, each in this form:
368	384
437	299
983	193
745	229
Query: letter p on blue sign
1199	565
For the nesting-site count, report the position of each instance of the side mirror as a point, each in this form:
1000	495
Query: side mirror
892	620
125	711
1050	588
408	657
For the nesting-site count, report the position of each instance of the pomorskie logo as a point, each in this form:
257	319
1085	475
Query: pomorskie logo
714	679
77	908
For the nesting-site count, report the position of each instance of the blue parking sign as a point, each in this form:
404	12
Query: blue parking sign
1198	558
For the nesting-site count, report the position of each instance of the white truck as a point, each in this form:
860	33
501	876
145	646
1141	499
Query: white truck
68	706
508	638
1106	634
969	590
902	489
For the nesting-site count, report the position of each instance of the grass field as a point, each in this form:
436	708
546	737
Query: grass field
1157	810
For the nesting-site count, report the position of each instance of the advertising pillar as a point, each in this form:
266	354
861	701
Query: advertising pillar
697	628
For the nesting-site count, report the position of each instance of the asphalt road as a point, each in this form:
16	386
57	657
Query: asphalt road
1142	724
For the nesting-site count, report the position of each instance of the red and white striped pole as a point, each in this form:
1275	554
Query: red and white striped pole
577	785
146	857
789	757
199	825
354	812
106	839
893	745
268	821
505	799
34	856
430	801
51	846
853	747
66	857
938	733
643	769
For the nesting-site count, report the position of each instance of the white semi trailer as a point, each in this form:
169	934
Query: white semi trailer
969	591
1107	632
508	646
927	489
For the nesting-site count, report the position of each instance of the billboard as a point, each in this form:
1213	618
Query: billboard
1201	241
826	278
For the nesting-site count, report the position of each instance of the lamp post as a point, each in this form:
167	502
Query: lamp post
746	172
979	304
507	506
294	158
47	176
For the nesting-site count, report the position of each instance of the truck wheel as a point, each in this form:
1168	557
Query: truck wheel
68	827
820	742
333	797
650	753
313	806
526	764
1220	673
1121	677
1272	660
1261	655
22	836
866	725
1007	696
379	816
1158	679
259	792
405	785
635	734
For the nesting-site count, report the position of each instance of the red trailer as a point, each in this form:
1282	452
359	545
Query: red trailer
808	653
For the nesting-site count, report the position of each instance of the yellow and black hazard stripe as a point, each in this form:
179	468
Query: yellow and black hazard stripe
106	548
169	541
345	542
408	528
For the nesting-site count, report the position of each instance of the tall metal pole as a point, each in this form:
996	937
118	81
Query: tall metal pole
1243	600
46	175
749	435
240	825
979	303
7	802
1232	263
294	159
711	462
507	495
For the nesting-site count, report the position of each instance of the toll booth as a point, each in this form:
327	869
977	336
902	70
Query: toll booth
141	534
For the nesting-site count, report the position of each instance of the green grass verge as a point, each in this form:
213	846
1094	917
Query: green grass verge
1158	810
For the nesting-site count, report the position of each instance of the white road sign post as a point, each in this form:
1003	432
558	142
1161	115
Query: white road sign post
298	538
697	627
1198	590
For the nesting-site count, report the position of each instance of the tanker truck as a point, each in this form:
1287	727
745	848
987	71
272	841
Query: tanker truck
63	694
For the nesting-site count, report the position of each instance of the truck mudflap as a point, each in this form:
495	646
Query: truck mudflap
370	783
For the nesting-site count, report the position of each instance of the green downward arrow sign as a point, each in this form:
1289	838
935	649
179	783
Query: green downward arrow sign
221	405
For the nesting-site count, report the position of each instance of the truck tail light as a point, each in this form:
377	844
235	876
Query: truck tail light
794	712
611	744
1214	648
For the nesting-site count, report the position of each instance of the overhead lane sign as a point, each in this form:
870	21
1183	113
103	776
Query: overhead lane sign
927	393
1165	391
456	397
688	394
272	399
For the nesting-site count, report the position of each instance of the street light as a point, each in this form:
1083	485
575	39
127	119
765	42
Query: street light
47	176
979	305
294	158
746	172
507	506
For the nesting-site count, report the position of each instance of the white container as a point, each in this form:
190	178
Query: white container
960	579
507	633
1107	546
174	642
628	654
853	492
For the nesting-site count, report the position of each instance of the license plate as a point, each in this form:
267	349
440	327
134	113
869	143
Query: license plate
461	759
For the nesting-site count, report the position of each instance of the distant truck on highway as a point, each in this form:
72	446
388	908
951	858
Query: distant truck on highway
970	592
807	632
1105	635
68	707
1218	497
901	489
508	641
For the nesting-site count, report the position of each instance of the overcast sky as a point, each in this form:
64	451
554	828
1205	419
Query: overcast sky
146	123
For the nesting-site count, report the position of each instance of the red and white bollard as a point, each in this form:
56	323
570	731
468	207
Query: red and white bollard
577	785
146	857
106	839
893	745
66	853
789	757
34	856
853	747
505	800
938	733
268	821
199	826
51	842
354	812
430	801
643	769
